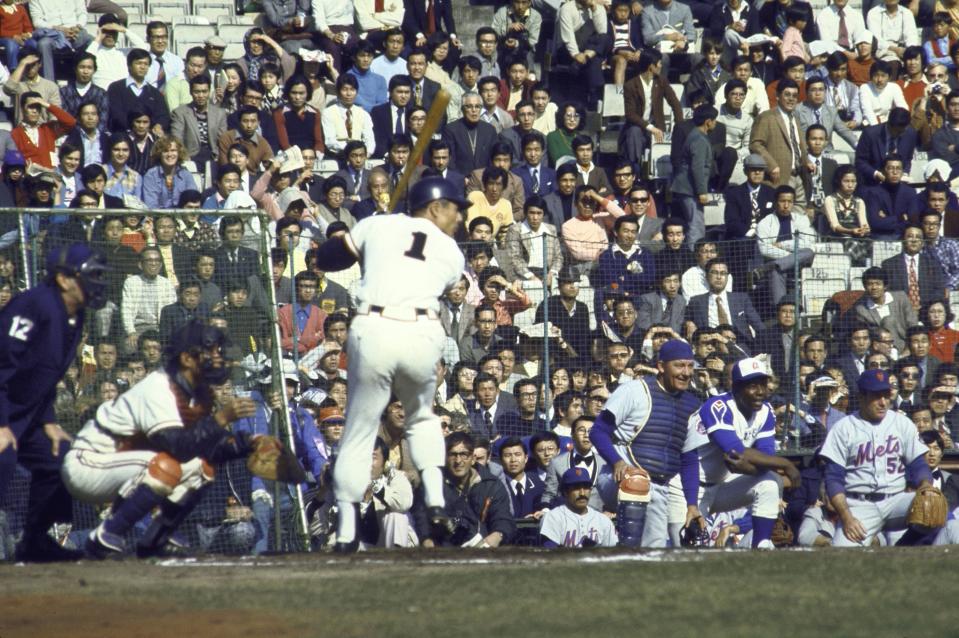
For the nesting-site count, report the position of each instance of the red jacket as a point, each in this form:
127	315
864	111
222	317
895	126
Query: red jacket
42	152
16	23
311	336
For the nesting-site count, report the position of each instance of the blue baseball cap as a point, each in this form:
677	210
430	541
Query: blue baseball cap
873	381
749	369
576	476
675	350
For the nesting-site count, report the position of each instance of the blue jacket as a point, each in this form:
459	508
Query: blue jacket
155	192
37	345
616	267
888	213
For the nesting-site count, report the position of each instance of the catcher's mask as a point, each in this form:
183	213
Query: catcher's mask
87	266
205	342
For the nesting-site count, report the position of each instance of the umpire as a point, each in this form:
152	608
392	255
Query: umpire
40	330
643	425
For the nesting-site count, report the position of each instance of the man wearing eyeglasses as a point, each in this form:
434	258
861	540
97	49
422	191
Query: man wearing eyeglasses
144	296
928	113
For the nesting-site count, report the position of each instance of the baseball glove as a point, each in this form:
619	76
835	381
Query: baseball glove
782	535
271	460
928	510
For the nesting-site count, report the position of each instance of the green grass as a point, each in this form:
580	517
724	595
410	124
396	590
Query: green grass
891	592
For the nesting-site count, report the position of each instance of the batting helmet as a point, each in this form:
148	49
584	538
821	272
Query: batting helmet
430	189
87	265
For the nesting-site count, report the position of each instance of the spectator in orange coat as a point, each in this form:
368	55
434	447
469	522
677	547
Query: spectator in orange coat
36	139
309	317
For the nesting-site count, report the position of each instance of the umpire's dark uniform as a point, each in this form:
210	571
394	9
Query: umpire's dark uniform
38	342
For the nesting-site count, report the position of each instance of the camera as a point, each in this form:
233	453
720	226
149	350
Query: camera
938	88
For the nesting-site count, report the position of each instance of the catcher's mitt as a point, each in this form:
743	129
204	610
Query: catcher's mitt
782	535
272	461
928	510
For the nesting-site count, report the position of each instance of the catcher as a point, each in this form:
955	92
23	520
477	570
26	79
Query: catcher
870	457
155	445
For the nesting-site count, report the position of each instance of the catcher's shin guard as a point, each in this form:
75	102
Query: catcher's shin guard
171	516
630	522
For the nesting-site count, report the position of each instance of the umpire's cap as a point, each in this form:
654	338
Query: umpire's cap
430	189
84	263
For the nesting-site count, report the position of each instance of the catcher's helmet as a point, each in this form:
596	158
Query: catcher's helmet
694	535
430	189
195	337
87	265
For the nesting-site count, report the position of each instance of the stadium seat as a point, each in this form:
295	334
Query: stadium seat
168	9
232	32
234	51
232	19
613	103
829	248
882	250
660	165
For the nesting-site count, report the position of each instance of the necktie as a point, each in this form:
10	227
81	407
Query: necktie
794	141
721	312
754	202
818	114
349	123
161	74
398	129
817	191
454	322
356	183
788	349
668	310
843	39
913	284
519	490
837	97
535	173
430	17
891	145
418	93
488	422
785	229
584	460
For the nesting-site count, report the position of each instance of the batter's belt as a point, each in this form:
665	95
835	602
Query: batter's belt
397	313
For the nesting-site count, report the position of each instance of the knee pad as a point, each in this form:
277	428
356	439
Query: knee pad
630	522
163	473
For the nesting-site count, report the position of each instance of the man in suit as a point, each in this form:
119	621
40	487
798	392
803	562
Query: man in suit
424	90
523	419
423	19
879	141
480	343
390	119
231	260
88	137
582	455
777	341
534	250
725	158
470	140
892	203
186	309
778	243
253	93
818	171
882	308
946	139
815	110
666	306
457	316
852	357
525	488
525	116
538	178
560	204
133	92
646	117
490	404
776	137
746	204
201	144
355	174
683	33
718	307
915	271
841	94
691	174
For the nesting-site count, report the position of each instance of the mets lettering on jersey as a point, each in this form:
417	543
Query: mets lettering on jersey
566	528
875	455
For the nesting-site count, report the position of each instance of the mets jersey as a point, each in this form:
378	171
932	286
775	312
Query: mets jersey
407	261
566	528
719	426
875	455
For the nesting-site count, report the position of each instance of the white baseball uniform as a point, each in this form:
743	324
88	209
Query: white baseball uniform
566	528
109	456
395	341
874	456
725	491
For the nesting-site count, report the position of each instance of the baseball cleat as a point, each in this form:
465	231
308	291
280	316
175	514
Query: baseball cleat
441	527
43	549
102	544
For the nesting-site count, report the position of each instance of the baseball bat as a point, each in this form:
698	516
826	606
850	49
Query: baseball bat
433	119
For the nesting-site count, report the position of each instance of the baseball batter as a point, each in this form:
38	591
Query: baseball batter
153	445
396	340
732	438
869	455
39	333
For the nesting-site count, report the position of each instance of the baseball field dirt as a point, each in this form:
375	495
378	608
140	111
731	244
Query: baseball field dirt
885	592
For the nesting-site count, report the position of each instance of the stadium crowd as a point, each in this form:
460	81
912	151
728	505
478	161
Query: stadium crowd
809	129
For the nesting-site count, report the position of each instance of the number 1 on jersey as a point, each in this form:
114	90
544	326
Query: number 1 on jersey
416	250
